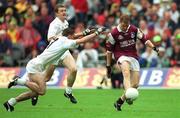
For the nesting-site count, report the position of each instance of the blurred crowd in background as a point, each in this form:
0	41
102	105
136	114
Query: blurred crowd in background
24	26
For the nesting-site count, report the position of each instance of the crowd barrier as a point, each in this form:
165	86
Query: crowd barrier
91	77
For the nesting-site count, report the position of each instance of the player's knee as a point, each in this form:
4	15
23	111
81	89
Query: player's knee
47	79
73	70
43	92
126	73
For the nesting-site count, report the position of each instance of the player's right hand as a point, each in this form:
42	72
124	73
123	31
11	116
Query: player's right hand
108	70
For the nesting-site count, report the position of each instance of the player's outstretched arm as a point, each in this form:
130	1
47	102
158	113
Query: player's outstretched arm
151	45
142	37
83	33
91	36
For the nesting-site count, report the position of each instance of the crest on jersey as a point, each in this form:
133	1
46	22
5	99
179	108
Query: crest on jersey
120	37
132	34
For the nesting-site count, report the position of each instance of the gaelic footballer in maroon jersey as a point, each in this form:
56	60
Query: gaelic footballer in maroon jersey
122	43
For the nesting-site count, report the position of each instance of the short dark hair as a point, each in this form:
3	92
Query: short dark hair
124	19
68	31
57	7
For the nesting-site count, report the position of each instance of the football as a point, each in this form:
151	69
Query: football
131	93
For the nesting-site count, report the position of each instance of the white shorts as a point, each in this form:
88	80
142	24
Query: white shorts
34	67
56	63
134	64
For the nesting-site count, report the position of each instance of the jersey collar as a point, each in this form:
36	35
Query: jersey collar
119	29
60	20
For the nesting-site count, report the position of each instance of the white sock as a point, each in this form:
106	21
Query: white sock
21	81
68	90
12	101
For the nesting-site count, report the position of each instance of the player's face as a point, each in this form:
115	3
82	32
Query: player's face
62	13
124	26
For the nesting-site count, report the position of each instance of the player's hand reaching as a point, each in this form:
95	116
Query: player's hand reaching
108	70
99	30
89	30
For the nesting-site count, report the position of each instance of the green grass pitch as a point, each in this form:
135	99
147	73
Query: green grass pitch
94	103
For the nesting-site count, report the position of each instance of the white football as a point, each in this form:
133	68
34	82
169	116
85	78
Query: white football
131	93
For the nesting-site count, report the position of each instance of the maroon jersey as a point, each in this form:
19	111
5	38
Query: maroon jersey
124	43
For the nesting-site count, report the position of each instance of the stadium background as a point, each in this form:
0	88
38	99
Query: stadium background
23	30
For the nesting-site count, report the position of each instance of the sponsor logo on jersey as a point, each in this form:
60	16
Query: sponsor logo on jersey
127	43
126	33
120	37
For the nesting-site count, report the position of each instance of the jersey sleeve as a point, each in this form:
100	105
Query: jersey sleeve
110	42
141	36
70	44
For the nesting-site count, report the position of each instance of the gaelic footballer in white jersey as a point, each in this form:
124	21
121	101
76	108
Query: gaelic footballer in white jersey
35	68
51	54
56	28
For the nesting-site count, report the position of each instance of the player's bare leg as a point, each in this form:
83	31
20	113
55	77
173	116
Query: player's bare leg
24	82
39	80
35	83
69	62
135	79
134	83
49	72
25	96
125	68
47	76
9	105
